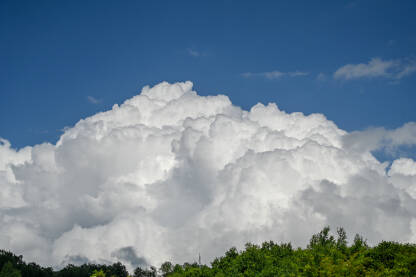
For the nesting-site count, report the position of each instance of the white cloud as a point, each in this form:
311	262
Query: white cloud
271	75
297	73
376	67
406	71
170	174
193	52
380	138
403	166
403	174
321	77
93	100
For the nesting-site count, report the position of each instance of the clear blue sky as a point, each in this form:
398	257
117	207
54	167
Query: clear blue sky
61	61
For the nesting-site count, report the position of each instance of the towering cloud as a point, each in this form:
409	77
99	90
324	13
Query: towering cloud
170	174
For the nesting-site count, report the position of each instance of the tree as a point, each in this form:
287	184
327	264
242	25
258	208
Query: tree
342	238
324	256
322	239
117	269
9	271
139	272
359	244
166	268
98	273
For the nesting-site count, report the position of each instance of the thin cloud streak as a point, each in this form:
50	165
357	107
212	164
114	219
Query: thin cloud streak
193	52
273	75
321	77
376	68
93	100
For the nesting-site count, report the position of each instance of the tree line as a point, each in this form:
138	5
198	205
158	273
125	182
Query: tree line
325	255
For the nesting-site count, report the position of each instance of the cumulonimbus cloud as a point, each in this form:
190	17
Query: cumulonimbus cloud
170	174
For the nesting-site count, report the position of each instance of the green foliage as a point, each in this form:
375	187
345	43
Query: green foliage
325	255
98	273
9	271
166	268
86	270
26	270
342	239
139	272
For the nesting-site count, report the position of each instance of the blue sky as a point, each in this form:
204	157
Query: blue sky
61	61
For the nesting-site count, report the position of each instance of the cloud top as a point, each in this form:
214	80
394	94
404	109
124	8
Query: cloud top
169	174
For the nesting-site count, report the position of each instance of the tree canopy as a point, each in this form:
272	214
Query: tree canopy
325	255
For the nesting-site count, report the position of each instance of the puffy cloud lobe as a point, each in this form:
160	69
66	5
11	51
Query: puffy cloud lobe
403	172
170	174
10	195
380	138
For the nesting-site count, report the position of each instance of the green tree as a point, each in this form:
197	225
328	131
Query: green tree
322	239
166	268
324	256
9	271
139	272
342	239
98	273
